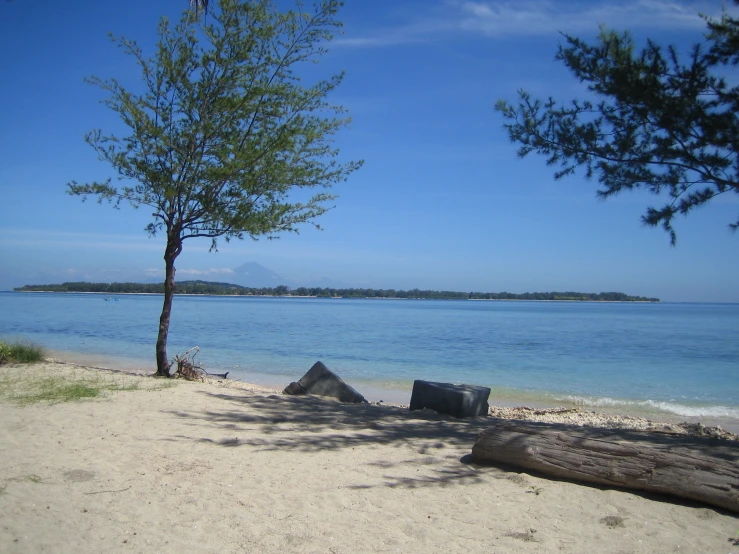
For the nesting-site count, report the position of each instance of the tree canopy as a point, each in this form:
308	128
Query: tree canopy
224	131
657	123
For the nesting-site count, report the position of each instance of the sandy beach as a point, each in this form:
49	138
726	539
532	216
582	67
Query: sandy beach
228	467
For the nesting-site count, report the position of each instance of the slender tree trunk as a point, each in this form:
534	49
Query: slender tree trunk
174	247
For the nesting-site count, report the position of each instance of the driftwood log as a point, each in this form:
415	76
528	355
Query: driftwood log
693	468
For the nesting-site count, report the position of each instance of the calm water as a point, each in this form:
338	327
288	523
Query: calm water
670	358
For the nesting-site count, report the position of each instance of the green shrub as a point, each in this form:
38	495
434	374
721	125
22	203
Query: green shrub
21	352
4	352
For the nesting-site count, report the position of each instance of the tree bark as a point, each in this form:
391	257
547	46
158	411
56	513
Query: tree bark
173	249
693	468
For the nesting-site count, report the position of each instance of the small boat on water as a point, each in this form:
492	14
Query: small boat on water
110	299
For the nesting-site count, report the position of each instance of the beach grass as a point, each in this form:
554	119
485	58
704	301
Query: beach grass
24	385
21	352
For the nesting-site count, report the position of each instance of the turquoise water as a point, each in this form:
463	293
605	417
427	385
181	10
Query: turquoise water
673	358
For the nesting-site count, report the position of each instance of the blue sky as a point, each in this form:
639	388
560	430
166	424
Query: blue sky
442	201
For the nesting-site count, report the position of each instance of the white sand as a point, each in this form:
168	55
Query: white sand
208	468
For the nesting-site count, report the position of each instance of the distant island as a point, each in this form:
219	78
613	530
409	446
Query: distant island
228	289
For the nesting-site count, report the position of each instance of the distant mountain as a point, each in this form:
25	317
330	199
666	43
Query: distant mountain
251	274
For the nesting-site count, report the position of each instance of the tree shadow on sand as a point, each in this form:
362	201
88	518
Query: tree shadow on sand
313	424
310	424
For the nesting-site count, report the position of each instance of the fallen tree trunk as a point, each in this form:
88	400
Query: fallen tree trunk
693	468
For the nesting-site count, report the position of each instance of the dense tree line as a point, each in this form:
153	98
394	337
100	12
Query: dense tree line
207	287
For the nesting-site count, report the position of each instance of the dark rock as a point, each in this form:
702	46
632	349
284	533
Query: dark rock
321	381
445	398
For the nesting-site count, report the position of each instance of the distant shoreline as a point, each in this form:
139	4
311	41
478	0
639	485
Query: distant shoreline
208	288
335	297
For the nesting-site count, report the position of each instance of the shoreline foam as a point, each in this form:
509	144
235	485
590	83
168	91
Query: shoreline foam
575	414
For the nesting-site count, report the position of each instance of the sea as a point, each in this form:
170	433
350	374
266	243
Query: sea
666	361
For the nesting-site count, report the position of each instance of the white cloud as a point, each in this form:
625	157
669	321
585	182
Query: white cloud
538	17
506	18
205	272
64	240
156	272
68	240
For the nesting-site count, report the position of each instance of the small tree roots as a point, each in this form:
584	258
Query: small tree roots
188	367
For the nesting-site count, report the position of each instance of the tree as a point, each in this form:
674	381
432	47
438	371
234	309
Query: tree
658	124
224	133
